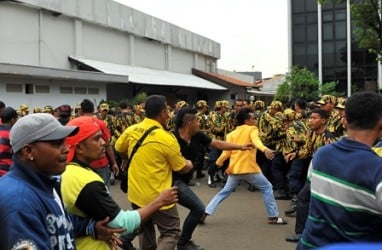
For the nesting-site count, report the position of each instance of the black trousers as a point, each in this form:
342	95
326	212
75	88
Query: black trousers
303	200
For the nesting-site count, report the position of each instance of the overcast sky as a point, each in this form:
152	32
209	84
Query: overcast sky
252	33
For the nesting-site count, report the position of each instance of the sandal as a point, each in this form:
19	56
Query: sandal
277	221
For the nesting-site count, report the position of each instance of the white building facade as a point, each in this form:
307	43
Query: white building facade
62	51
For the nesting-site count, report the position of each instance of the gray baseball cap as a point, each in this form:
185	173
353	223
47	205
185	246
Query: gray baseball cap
38	127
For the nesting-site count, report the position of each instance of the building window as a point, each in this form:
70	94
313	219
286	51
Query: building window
93	91
15	88
42	89
80	91
29	88
66	90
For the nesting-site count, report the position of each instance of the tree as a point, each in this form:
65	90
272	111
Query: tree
366	15
303	83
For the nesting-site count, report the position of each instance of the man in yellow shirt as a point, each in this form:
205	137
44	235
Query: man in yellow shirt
150	172
243	166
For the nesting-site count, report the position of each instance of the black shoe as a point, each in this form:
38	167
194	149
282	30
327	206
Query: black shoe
280	195
200	175
293	238
211	182
190	245
251	188
291	209
191	184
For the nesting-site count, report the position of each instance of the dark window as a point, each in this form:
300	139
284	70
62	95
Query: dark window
93	91
42	89
312	33
11	87
66	90
298	6
299	33
81	91
340	30
299	19
311	5
327	31
29	88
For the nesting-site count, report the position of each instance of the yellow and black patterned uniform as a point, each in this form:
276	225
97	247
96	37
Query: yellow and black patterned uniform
231	120
268	127
279	131
123	121
256	116
110	122
313	142
295	136
219	125
334	124
204	124
170	125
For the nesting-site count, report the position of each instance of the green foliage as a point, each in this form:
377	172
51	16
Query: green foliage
138	99
282	93
302	83
329	88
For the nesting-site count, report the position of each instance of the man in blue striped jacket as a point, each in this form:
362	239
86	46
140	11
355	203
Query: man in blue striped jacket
346	177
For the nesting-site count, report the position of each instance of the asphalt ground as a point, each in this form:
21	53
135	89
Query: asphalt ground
239	223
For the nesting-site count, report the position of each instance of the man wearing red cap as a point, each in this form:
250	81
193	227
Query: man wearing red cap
85	193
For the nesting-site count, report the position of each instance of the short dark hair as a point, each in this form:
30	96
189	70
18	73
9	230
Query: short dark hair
87	106
363	110
321	112
123	105
2	105
243	115
154	105
183	116
301	103
8	114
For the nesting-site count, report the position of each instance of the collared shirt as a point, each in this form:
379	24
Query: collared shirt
150	170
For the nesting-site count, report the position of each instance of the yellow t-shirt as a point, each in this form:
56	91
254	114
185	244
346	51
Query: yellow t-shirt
242	162
150	170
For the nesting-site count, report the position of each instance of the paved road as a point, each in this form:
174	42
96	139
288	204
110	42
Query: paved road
238	224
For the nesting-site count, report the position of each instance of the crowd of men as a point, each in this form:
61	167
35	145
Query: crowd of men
287	136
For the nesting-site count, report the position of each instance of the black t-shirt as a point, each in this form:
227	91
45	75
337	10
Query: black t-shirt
190	151
95	200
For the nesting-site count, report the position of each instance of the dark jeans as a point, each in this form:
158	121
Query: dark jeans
214	155
303	200
297	174
266	167
280	170
199	161
188	199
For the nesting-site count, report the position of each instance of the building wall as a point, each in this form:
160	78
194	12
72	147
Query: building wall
57	92
305	43
46	33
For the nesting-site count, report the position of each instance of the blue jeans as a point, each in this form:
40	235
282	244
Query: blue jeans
187	198
258	180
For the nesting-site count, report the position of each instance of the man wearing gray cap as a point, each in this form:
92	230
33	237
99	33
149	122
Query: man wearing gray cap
32	214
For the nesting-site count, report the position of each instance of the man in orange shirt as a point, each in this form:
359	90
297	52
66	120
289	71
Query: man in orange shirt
243	166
